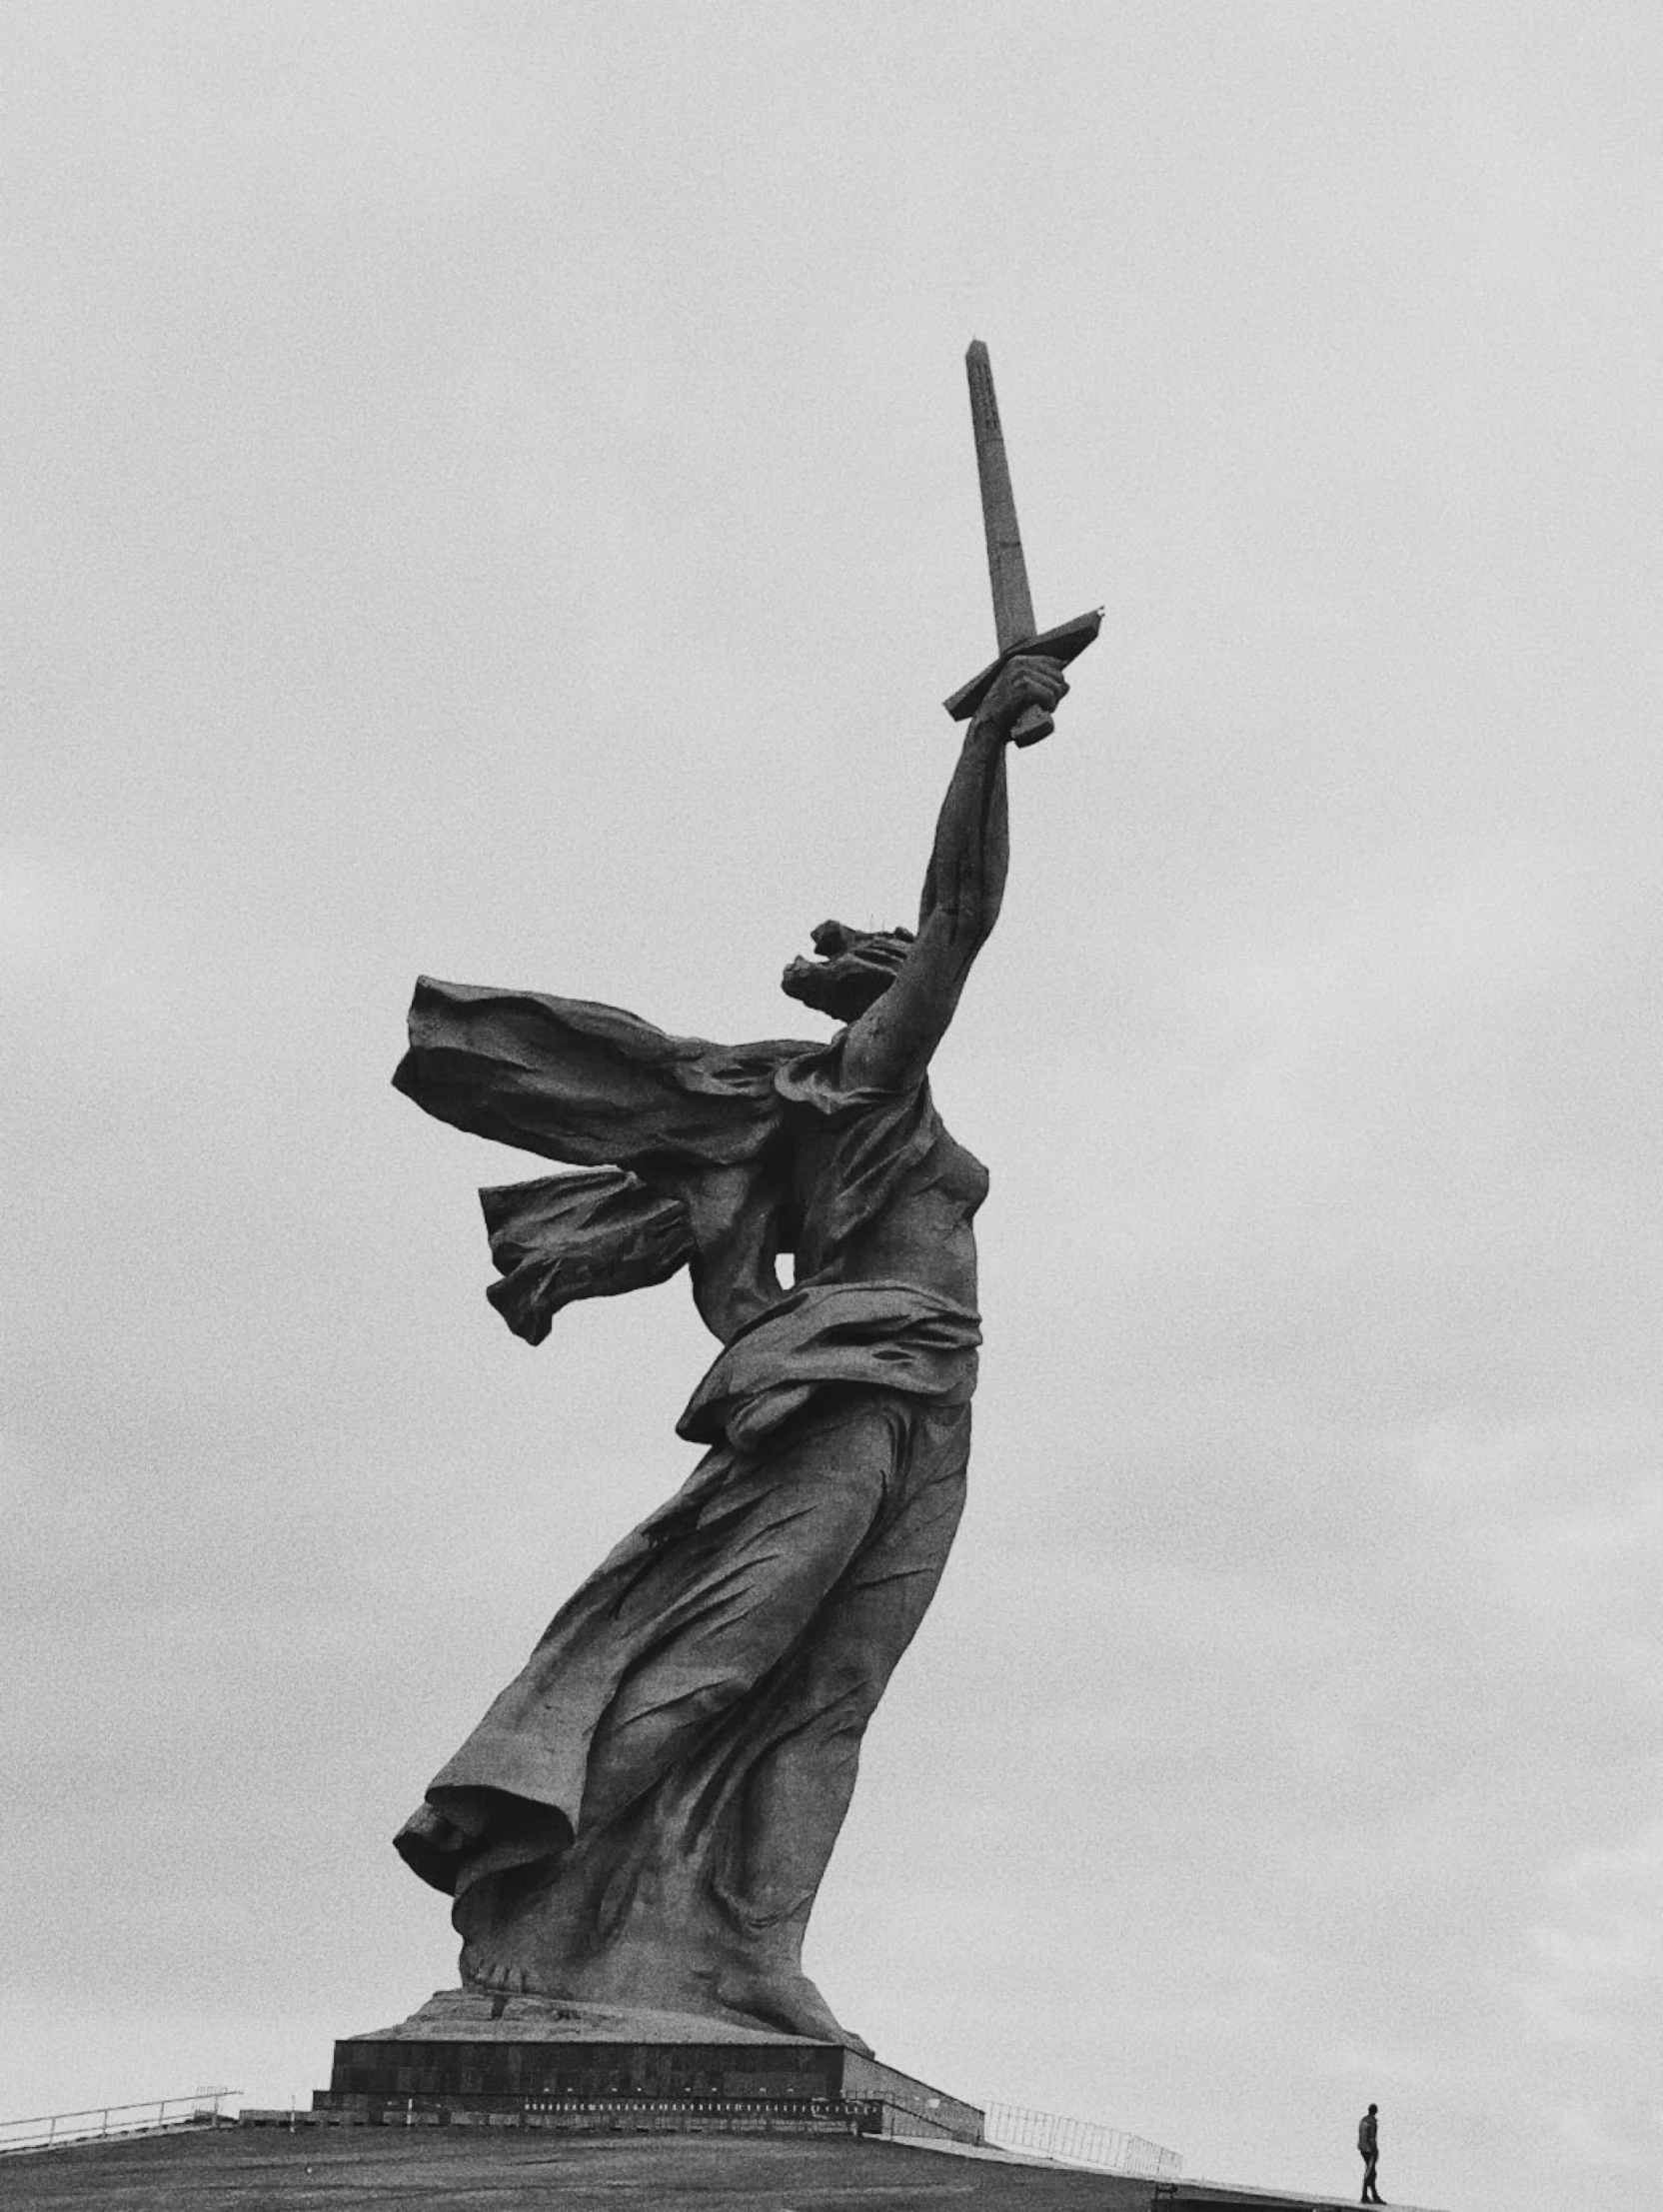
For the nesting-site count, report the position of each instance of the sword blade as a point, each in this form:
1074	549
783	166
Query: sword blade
1007	569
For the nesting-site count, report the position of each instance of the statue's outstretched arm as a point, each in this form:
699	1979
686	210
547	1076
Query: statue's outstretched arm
889	1047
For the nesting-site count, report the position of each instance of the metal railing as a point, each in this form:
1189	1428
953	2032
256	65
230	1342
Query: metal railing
571	2113
162	2115
1011	2127
676	2115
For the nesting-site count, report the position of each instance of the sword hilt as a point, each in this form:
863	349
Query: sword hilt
1065	643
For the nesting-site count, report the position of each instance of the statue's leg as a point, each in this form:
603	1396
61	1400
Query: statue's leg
798	1793
802	1731
627	1914
733	1597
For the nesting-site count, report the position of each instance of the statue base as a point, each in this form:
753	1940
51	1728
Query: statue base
466	2057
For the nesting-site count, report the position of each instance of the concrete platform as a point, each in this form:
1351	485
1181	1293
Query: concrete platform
464	2054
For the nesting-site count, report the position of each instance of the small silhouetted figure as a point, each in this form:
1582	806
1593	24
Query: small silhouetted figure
1368	2142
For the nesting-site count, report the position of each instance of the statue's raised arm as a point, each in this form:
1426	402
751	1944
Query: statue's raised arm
902	993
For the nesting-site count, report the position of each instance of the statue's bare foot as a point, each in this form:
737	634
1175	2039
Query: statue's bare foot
785	1999
497	1977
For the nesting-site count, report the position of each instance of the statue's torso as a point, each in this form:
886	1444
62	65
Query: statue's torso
922	1235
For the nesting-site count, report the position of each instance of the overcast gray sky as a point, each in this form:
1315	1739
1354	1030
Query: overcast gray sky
487	489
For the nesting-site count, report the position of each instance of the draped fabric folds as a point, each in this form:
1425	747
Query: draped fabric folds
586	1084
593	1234
673	1129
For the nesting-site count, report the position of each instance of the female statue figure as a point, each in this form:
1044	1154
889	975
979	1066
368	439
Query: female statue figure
642	1817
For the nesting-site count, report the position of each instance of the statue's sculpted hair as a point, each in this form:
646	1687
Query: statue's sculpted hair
854	968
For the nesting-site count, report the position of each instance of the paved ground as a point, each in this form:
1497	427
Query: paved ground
383	2169
353	2170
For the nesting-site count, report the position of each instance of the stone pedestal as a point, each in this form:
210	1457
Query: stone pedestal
466	2056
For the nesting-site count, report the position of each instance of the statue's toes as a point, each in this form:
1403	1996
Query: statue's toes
501	1977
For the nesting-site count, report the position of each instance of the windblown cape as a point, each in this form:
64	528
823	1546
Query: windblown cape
685	1149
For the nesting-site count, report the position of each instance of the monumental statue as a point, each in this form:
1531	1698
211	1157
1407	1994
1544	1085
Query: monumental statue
643	1816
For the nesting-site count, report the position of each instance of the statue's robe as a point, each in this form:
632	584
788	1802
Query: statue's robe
667	1774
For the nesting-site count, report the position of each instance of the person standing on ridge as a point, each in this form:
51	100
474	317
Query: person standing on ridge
1368	2142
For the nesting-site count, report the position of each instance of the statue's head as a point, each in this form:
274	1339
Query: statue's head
855	968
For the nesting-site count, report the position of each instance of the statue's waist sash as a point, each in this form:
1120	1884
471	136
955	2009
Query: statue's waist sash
887	1336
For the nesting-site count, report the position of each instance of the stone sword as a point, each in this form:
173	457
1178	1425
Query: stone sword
1012	606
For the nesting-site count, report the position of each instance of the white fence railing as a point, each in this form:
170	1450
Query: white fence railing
1011	2127
52	2130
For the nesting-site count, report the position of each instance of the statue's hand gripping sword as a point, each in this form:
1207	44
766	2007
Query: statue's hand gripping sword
1012	606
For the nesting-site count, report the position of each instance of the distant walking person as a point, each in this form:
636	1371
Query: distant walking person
1368	2142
